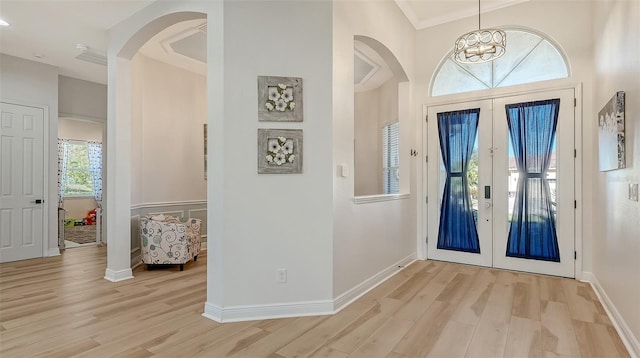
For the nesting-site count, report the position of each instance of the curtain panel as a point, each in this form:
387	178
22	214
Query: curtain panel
532	130
94	150
457	131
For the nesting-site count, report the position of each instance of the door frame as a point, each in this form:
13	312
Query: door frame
423	211
50	205
103	123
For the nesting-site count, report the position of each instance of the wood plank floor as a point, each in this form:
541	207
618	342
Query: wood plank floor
62	307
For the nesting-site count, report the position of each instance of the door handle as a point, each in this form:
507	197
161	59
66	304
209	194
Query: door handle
37	201
487	204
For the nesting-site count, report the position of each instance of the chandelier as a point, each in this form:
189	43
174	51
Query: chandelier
481	45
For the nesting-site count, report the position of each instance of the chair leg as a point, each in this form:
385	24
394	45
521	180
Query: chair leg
195	258
181	267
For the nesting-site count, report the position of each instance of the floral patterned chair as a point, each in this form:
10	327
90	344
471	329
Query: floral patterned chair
166	240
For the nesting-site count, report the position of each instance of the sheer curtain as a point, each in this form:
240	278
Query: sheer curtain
94	150
457	131
532	129
63	149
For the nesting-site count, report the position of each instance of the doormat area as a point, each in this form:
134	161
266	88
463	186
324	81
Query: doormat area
82	234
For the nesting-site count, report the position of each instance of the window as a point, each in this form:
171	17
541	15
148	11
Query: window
78	180
529	58
390	160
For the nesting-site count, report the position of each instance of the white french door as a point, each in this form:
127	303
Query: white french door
22	182
502	194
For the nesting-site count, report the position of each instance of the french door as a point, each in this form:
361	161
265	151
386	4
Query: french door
500	183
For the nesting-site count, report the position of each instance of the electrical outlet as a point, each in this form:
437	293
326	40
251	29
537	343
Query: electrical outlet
282	275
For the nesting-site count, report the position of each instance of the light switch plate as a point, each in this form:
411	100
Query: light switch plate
633	192
344	170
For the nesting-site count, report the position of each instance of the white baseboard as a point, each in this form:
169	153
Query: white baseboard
300	309
268	311
369	284
117	276
53	252
628	338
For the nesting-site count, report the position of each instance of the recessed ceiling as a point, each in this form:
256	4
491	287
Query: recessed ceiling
369	68
183	45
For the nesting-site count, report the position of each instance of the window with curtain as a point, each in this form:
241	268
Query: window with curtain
530	57
390	159
78	181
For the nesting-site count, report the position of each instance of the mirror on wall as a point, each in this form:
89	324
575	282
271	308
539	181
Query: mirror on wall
378	91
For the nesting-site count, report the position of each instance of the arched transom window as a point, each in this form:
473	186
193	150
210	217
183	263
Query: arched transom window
529	58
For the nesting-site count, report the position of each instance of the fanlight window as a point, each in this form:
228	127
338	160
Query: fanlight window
529	58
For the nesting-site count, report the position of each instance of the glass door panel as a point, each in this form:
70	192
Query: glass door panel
460	168
534	169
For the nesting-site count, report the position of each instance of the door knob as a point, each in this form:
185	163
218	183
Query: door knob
487	204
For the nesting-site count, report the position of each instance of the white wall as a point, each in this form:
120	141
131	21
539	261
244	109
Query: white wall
367	168
82	99
616	242
373	110
68	128
368	238
277	221
169	111
36	83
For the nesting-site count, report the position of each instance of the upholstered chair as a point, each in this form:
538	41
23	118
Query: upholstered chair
168	241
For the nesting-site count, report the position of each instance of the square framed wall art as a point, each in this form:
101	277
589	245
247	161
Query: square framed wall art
279	99
279	151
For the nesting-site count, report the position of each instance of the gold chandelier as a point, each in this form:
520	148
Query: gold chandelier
481	45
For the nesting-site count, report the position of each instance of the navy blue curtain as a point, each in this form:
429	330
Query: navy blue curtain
532	232
457	131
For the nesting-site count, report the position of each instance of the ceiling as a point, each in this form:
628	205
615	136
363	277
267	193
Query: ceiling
48	31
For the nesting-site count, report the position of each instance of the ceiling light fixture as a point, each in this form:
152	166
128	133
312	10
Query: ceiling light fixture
3	23
481	45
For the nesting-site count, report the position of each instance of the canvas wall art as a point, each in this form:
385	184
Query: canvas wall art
611	136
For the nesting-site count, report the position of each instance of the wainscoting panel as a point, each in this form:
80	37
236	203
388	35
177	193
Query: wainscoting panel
193	209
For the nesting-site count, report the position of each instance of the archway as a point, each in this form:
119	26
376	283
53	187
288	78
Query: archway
126	39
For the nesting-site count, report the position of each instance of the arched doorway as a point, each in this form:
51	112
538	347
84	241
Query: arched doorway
126	39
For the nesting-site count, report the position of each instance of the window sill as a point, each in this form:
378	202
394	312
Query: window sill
365	199
78	197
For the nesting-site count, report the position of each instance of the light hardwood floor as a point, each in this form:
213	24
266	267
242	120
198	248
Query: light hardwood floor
62	307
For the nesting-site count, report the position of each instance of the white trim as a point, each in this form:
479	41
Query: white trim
117	276
53	252
268	311
372	282
626	335
203	244
577	183
365	199
168	203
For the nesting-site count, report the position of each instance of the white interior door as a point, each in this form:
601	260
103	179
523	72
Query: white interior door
492	195
22	188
